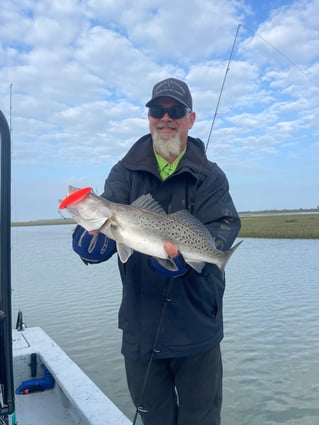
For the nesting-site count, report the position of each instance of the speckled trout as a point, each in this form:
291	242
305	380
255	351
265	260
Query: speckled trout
144	226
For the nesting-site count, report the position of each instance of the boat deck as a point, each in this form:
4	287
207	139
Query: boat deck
75	399
43	408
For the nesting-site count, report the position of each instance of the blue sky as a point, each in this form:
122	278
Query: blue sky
82	71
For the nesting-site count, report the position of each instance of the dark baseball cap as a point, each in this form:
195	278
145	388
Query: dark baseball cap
171	87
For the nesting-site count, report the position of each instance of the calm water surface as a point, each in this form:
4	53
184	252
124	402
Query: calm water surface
271	310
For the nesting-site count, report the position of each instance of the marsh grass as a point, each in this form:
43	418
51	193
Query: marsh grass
290	226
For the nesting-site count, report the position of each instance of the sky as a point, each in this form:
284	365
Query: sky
75	76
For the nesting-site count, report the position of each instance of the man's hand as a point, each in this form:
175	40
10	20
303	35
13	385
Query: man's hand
92	247
174	266
170	249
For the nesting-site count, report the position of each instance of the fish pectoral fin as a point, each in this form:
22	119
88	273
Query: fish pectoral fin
168	264
123	251
196	266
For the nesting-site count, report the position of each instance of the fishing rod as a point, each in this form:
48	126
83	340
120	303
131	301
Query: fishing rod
139	407
214	117
222	88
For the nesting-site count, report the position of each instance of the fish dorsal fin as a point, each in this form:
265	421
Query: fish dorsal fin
147	202
185	216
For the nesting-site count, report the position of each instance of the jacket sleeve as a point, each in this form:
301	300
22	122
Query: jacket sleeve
215	208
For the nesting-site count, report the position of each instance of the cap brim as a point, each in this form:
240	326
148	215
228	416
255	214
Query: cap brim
153	101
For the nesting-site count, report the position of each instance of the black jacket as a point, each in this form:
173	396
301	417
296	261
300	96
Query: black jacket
193	321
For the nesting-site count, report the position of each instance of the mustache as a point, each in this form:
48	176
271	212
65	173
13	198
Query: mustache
161	126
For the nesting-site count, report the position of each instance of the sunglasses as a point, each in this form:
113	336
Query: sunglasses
175	112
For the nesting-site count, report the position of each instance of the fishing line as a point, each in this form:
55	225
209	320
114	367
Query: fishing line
283	55
222	89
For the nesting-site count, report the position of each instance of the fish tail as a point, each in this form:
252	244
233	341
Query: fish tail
227	256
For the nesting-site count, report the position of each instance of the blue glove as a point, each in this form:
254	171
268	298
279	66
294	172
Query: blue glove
172	267
92	248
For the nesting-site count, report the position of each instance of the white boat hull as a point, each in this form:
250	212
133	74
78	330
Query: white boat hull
74	399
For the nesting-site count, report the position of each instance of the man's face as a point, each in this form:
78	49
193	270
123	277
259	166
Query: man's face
169	134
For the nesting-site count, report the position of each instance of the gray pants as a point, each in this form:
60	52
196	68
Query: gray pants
181	391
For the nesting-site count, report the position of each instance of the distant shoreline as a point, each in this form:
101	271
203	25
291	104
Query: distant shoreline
277	225
48	222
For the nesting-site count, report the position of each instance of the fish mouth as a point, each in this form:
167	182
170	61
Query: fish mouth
74	195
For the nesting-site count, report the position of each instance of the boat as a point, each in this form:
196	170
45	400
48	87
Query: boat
39	383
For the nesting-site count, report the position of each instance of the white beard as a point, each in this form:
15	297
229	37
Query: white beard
169	148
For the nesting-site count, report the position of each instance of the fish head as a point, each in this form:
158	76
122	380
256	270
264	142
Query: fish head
86	208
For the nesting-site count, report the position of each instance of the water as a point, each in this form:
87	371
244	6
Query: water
271	310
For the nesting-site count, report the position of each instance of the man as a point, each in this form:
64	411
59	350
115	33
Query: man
171	315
